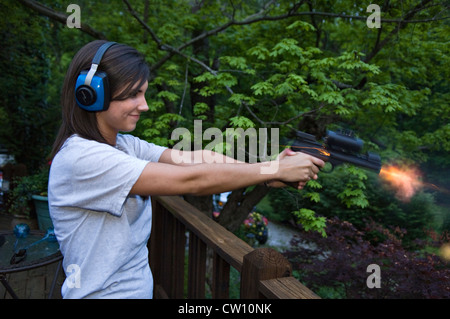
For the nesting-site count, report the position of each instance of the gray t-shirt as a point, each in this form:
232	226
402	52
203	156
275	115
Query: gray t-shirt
102	230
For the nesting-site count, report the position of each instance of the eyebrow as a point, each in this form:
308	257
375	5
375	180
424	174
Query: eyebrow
137	90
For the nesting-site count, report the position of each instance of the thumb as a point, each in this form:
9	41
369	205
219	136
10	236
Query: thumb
287	152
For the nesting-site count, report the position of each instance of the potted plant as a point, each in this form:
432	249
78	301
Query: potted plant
29	190
255	228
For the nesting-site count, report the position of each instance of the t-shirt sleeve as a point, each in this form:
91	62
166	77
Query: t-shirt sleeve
140	148
93	176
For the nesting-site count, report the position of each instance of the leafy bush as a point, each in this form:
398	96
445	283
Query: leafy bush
378	203
24	188
337	268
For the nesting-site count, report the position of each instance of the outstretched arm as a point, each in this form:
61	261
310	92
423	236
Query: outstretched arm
165	178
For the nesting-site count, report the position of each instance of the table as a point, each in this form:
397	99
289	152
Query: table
38	255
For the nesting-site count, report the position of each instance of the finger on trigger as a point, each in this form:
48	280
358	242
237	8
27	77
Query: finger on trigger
318	161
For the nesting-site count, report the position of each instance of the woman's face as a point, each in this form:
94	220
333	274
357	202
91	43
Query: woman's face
123	115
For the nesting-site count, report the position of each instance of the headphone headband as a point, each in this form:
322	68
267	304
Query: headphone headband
98	56
96	61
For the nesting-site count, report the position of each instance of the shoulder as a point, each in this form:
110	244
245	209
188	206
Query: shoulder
77	153
128	141
85	160
139	147
76	147
76	142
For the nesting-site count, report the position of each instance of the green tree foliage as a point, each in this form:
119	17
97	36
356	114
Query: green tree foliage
23	84
305	65
34	56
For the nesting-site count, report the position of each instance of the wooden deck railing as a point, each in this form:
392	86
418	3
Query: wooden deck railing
264	273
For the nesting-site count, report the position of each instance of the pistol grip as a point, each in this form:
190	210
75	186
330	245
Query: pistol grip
292	184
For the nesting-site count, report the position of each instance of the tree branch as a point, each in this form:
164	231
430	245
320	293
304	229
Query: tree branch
239	204
402	24
338	15
258	17
145	25
284	122
292	12
60	17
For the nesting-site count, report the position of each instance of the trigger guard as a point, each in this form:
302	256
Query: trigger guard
327	170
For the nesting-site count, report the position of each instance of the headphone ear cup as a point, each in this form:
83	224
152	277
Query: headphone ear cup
94	97
85	95
93	93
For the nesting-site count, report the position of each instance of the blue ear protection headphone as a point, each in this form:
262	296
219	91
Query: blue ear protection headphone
92	87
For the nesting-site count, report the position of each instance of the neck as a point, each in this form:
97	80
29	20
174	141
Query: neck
108	133
110	137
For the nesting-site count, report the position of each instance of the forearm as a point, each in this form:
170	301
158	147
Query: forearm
218	178
200	179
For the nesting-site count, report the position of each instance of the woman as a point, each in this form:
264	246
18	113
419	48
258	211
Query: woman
100	180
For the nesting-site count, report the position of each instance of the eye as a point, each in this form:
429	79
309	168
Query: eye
134	93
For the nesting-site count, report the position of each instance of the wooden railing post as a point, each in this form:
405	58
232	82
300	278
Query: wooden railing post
167	247
221	278
156	249
196	268
262	264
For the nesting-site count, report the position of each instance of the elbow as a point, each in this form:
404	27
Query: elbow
199	191
198	188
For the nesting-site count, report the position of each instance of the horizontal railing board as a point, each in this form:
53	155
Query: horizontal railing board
285	288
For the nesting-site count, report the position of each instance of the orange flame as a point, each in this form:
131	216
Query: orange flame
323	152
405	181
320	150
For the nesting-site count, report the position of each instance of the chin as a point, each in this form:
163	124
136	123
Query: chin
128	129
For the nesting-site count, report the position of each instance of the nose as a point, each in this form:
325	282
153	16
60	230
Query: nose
143	106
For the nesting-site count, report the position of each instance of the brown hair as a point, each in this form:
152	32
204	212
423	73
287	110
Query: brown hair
124	67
